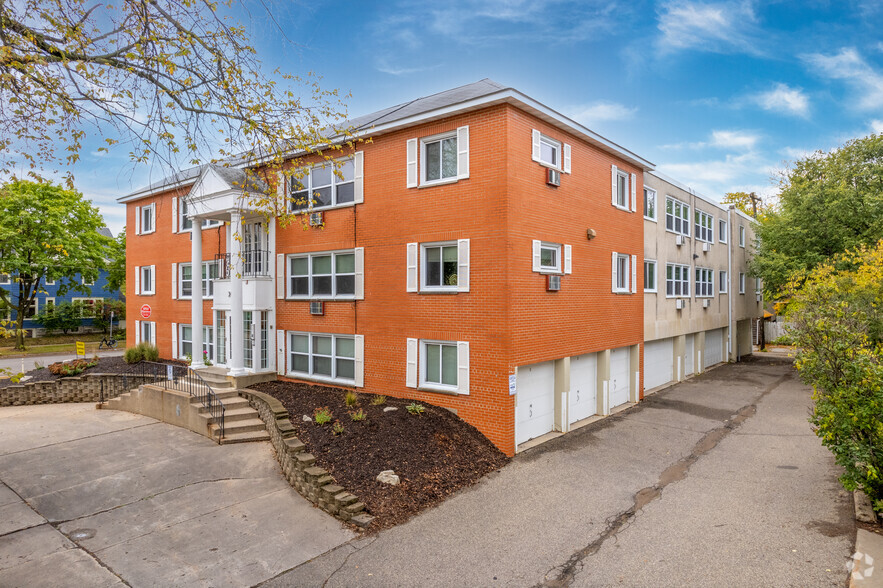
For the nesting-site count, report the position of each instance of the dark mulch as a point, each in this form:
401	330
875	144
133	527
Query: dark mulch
106	365
434	454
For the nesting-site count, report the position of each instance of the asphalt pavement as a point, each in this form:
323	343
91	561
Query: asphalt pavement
26	363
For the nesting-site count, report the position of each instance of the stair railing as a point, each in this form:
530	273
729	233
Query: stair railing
184	379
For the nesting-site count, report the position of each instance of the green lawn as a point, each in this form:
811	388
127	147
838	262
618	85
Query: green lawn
58	343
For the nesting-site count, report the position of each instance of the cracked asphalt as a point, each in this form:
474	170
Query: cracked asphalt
717	481
105	498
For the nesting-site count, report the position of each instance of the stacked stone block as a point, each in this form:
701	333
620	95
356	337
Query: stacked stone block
86	388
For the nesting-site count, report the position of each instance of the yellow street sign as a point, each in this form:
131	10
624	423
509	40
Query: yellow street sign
81	348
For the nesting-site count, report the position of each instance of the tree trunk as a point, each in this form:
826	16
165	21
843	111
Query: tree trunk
19	331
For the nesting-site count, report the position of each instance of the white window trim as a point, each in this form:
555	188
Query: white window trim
538	138
47	300
180	218
563	257
416	158
140	212
424	266
179	281
722	229
83	281
424	183
702	216
655	217
358	275
689	284
152	270
688	221
709	272
357	362
629	187
46	282
741	283
6	280
628	281
742	236
723	279
415	367
358	196
655	265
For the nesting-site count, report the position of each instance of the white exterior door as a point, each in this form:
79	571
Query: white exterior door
535	387
658	361
619	376
714	349
688	370
583	386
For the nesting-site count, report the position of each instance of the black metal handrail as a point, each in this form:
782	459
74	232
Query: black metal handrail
183	379
255	263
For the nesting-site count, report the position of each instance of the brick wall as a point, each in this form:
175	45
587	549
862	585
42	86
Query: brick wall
86	388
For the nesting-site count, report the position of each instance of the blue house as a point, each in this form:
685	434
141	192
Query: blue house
96	295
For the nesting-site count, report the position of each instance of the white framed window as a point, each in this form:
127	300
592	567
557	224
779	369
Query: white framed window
86	281
439	262
741	283
649	203
187	222
146	332
145	218
758	286
677	280
440	366
325	185
551	258
210	272
48	282
704	226
704	282
185	341
5	312
722	231
5	280
621	272
741	236
147	281
49	302
439	159
620	189
90	305
649	275
550	152
677	216
327	274
723	281
322	356
33	309
185	283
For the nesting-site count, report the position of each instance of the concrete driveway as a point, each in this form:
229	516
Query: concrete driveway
718	481
100	498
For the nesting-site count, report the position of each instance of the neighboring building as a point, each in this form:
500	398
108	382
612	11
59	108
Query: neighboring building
96	294
480	253
698	296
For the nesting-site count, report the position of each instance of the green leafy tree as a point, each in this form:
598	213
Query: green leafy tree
101	318
176	82
829	203
116	266
64	317
46	232
754	207
836	321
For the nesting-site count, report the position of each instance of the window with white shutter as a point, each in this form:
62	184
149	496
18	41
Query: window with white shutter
550	258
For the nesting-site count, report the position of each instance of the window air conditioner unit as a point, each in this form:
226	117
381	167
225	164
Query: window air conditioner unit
317	308
553	283
316	219
706	247
679	304
679	240
554	177
706	303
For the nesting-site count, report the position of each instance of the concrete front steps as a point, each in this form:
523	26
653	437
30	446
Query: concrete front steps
242	423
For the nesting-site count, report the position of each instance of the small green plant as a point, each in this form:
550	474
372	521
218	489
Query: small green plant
205	358
358	415
322	415
782	340
378	400
415	408
38	366
188	358
16	378
337	428
148	352
351	399
133	355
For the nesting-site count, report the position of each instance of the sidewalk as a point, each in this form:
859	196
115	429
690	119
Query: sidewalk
26	363
718	481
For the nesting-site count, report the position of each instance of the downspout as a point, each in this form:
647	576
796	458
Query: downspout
730	286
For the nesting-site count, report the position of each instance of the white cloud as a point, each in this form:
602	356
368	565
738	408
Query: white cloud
722	27
851	67
715	177
600	111
783	98
794	153
740	140
877	126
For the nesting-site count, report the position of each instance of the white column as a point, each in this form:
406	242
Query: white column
196	301
236	359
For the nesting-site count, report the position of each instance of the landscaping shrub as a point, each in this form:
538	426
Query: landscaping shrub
72	368
133	354
148	352
323	415
351	399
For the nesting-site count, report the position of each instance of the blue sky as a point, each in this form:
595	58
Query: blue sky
719	95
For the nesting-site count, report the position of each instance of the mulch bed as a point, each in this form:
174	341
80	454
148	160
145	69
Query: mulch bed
435	454
106	365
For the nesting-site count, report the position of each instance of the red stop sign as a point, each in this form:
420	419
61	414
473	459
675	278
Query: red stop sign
145	311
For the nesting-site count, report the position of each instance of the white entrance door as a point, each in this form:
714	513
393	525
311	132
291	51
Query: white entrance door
714	349
689	360
583	386
658	360
535	387
619	376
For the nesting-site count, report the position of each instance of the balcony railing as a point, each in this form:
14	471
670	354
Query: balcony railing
254	263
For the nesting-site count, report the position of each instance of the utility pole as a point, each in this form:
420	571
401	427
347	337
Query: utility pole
754	200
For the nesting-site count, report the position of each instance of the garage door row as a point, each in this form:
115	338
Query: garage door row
553	395
597	383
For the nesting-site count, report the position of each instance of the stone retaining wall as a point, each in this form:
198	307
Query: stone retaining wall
299	467
85	388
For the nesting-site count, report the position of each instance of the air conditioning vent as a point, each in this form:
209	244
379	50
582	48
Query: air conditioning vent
317	308
679	304
554	177
706	247
679	240
706	303
553	283
317	219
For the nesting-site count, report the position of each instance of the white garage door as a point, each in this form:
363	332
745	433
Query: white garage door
583	384
535	387
658	358
619	376
714	349
689	359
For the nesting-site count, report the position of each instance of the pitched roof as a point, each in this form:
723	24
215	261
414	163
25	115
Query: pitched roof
106	232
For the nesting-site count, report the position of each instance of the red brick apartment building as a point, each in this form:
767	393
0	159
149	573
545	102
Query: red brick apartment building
480	254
